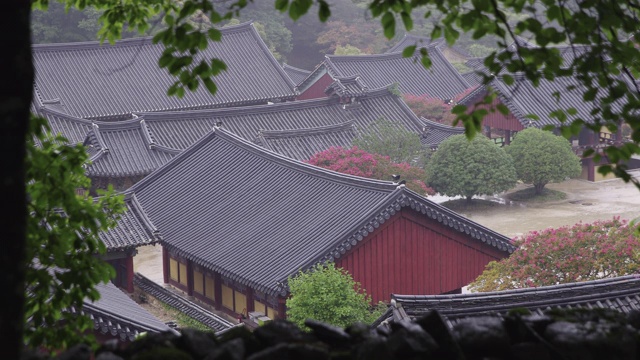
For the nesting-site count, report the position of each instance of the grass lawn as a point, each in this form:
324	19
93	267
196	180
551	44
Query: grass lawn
529	195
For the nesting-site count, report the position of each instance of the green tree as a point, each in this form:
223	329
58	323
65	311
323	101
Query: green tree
389	139
466	168
62	240
567	254
329	294
540	157
347	50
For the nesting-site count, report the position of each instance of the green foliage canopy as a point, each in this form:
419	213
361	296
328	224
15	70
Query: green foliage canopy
389	139
62	240
329	294
540	157
567	254
463	167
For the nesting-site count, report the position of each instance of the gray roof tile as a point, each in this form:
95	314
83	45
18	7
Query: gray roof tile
434	133
302	144
132	230
441	81
115	313
102	81
621	293
187	307
410	40
295	74
523	98
257	217
180	130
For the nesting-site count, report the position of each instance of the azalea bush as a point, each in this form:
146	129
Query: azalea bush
358	162
567	254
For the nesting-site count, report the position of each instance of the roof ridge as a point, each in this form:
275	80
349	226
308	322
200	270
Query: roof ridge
314	130
329	175
222	111
140	40
265	49
548	288
285	65
431	123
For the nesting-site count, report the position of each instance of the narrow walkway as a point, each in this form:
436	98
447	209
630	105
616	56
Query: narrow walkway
187	307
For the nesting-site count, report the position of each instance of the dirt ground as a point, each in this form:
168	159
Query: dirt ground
586	201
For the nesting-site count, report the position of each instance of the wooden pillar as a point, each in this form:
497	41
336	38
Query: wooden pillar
218	291
488	131
282	308
507	137
165	265
129	266
189	278
250	306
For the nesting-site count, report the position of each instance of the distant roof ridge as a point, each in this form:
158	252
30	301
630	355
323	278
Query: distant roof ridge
315	130
276	107
160	115
372	57
433	51
401	43
136	41
131	198
329	175
431	123
546	288
287	66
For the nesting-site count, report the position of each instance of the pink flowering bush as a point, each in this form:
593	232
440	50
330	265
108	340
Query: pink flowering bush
361	163
432	108
567	254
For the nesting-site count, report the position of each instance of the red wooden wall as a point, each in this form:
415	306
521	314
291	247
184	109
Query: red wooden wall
412	254
316	91
495	119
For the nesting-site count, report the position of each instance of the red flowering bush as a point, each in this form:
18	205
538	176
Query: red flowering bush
567	254
361	163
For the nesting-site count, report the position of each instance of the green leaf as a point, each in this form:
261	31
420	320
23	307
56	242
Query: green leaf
409	51
214	34
388	24
406	20
211	86
324	12
281	5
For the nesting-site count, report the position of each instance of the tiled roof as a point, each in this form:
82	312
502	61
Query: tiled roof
124	148
181	129
302	144
295	74
109	82
116	149
473	78
257	217
116	314
133	228
434	133
621	293
351	86
523	98
441	80
189	308
410	40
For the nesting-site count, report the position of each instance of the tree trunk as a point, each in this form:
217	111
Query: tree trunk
469	199
539	188
16	88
